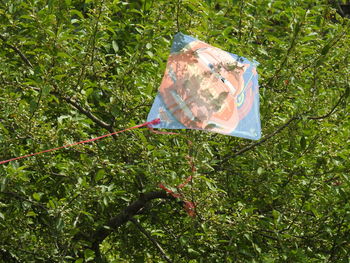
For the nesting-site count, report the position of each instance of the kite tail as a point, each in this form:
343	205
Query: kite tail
189	206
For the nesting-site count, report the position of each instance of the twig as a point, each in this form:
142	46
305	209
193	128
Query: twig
12	257
267	137
36	108
240	20
94	34
92	40
81	109
155	243
332	110
303	201
332	251
285	59
339	8
177	15
6	255
20	197
332	43
228	251
281	128
19	52
87	113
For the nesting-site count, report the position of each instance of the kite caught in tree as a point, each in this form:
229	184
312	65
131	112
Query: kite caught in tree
203	88
207	88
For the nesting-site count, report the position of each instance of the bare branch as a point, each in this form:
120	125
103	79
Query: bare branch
155	243
19	52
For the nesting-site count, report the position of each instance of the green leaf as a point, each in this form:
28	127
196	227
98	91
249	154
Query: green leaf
269	204
63	55
2	127
115	46
3	183
325	49
31	214
60	224
89	255
149	53
105	201
37	196
46	90
51	204
99	175
77	13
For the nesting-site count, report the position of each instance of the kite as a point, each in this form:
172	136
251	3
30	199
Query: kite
206	88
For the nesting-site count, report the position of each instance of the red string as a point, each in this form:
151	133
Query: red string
156	121
186	182
188	205
170	192
160	132
190	208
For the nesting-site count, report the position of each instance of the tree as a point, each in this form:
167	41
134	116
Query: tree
72	70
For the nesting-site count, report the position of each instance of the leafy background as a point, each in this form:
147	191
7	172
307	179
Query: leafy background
74	69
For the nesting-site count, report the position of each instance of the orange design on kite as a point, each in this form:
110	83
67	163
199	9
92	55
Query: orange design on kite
187	87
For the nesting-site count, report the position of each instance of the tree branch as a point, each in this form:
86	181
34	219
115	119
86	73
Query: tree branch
124	216
156	244
19	52
285	59
343	96
281	128
7	256
66	98
22	198
81	109
87	113
177	15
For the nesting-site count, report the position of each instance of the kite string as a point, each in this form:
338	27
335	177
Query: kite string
188	205
155	121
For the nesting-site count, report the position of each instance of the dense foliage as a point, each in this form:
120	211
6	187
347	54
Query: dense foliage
74	69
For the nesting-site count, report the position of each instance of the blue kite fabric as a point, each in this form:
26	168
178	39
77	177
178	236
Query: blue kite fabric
207	88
